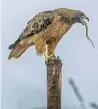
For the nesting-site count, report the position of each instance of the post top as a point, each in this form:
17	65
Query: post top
53	61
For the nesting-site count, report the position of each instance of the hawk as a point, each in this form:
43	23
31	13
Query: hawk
45	30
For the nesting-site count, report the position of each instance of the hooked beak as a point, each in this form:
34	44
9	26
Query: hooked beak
83	19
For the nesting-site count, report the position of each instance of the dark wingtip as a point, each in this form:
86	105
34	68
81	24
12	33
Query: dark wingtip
11	46
15	43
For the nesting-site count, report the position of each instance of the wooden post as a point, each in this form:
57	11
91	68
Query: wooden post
54	80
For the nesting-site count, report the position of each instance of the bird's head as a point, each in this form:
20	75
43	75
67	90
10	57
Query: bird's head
79	17
70	16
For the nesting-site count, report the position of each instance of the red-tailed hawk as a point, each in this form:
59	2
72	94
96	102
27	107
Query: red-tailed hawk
45	30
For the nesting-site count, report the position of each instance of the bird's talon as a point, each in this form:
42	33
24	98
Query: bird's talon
57	57
52	57
46	59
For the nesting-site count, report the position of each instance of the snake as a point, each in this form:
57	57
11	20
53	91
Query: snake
86	26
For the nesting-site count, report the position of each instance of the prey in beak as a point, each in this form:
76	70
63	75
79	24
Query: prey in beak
82	20
84	23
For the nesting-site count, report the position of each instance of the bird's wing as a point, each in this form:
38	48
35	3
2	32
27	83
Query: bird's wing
37	24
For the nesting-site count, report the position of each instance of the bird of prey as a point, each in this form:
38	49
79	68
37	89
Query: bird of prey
45	30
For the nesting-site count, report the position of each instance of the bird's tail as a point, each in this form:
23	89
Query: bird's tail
18	50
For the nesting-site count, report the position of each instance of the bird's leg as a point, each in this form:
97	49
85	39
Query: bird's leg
51	51
52	55
47	55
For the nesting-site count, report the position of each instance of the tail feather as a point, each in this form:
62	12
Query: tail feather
17	51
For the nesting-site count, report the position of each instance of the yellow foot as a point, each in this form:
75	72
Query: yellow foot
49	57
46	58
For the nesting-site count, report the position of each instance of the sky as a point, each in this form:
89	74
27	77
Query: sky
24	79
0	53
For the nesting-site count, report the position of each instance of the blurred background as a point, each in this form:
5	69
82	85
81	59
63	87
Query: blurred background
24	79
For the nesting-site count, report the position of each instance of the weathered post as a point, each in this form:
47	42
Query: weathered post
54	80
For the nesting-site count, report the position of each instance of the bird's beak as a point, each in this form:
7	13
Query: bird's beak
83	19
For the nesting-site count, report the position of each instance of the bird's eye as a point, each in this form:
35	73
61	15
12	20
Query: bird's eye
39	20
